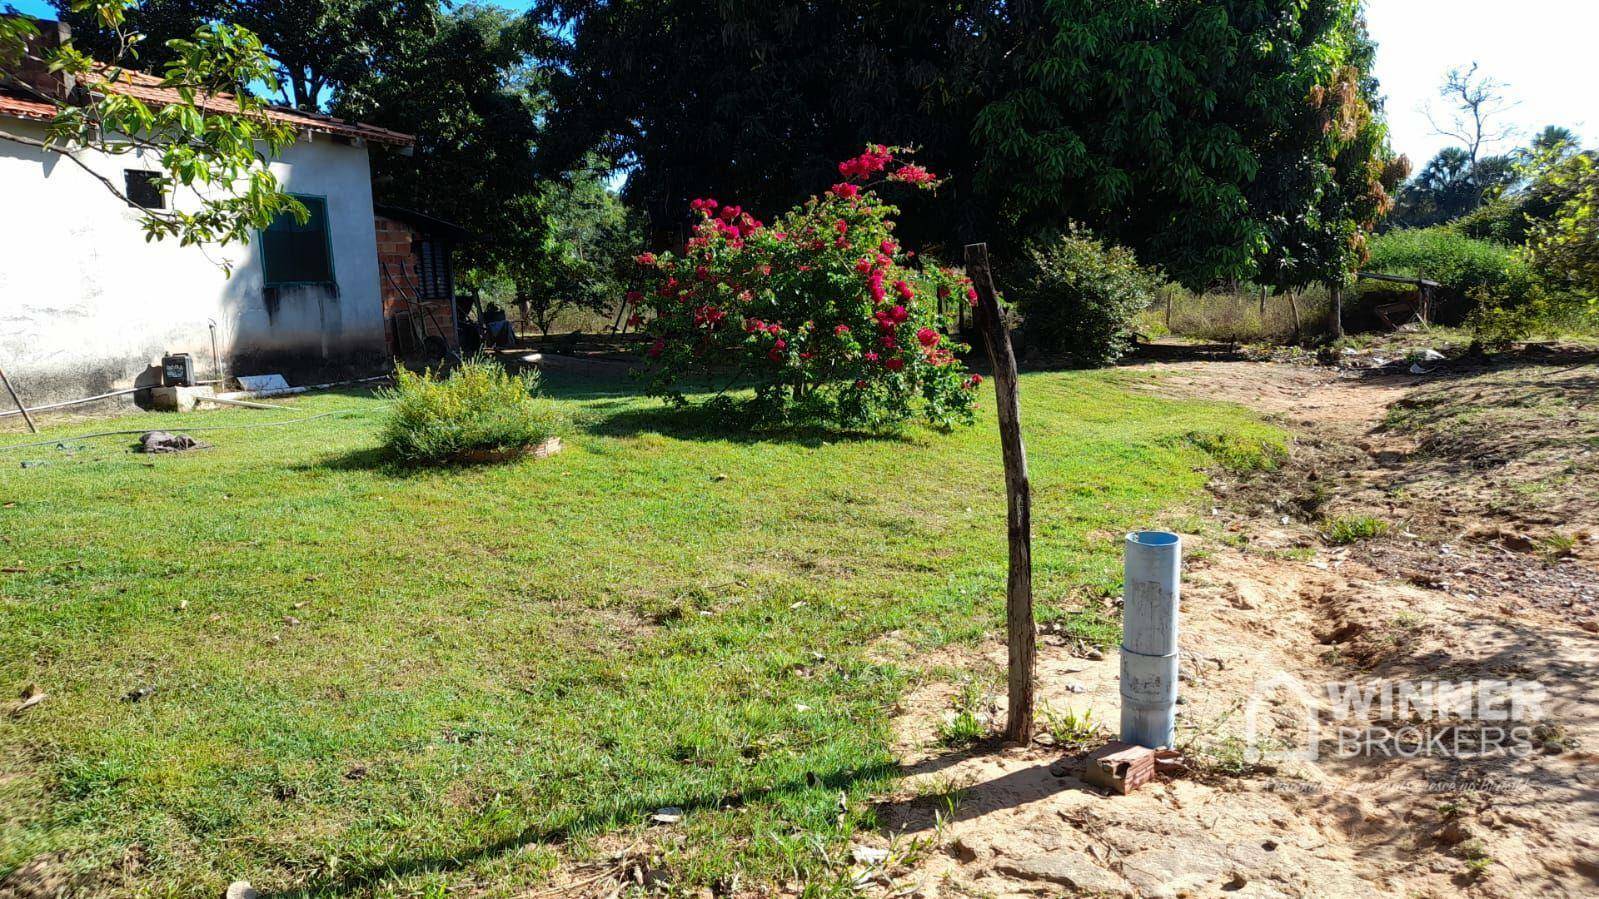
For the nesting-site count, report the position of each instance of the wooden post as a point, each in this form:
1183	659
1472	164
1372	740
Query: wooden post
1336	315
1019	586
18	400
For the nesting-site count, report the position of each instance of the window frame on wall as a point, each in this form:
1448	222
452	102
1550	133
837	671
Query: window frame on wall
435	276
317	205
142	184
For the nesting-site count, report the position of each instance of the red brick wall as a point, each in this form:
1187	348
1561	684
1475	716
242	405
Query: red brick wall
397	256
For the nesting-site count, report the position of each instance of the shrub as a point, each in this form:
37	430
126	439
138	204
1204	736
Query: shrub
833	321
1555	277
1079	298
1461	264
1353	529
478	408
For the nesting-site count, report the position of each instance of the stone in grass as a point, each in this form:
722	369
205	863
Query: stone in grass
163	442
868	855
241	889
669	815
1068	868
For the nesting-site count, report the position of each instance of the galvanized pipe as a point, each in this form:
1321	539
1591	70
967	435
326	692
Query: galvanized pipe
1152	570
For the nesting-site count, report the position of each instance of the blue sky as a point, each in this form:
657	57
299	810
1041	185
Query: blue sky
1541	49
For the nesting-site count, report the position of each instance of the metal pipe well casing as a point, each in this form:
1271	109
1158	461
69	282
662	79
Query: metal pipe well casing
1152	572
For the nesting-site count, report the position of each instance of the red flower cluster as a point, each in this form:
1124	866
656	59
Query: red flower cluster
889	319
911	173
874	160
830	265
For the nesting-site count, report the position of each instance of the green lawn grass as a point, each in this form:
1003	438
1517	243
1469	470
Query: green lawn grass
494	666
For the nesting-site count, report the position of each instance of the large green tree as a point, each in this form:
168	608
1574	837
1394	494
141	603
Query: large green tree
318	46
1146	119
578	251
1326	172
470	93
751	101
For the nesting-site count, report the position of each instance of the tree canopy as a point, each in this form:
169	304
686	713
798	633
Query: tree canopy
467	91
317	47
1133	116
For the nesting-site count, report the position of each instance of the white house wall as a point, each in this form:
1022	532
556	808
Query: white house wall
88	306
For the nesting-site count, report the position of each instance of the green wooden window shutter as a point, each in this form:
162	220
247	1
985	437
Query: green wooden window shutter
295	253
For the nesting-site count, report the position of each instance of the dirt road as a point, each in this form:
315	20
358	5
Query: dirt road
1484	574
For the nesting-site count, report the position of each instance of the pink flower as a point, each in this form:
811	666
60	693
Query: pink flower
634	298
841	226
971	295
781	344
841	330
974	381
874	160
899	313
702	273
928	337
863	266
645	259
911	173
871	357
888	247
656	348
895	364
845	190
903	289
888	341
706	206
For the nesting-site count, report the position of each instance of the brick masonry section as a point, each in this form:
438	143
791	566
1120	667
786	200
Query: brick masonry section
397	255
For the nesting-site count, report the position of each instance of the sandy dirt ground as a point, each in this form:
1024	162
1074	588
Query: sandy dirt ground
1466	587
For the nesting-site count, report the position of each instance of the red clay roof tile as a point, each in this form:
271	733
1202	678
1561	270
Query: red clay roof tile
149	89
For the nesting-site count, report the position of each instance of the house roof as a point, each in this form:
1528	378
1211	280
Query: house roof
149	89
423	221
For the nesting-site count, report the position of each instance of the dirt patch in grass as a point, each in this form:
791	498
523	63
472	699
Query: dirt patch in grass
1267	595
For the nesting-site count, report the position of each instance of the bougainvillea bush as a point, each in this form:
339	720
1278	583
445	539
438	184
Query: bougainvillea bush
831	320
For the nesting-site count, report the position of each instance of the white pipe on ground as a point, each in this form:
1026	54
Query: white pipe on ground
1152	572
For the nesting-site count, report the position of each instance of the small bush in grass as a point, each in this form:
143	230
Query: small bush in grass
1240	453
1081	296
479	408
1354	528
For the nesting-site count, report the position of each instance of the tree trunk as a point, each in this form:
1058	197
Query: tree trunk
1335	318
1263	305
1293	303
1019	585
